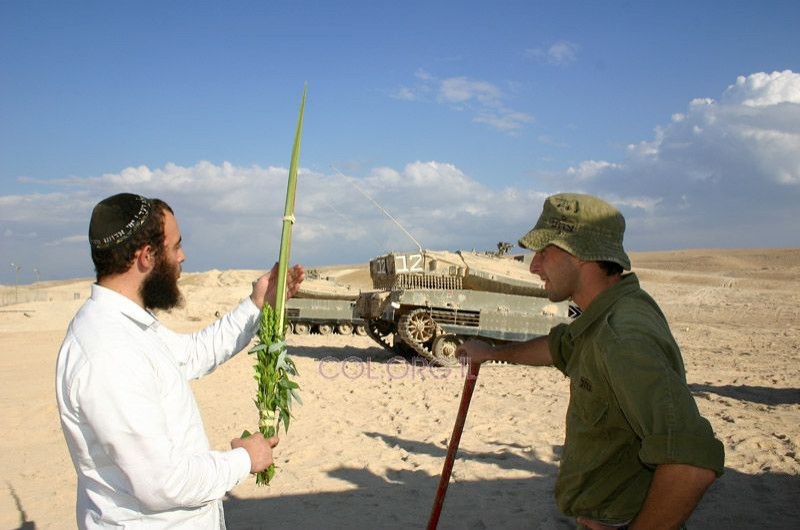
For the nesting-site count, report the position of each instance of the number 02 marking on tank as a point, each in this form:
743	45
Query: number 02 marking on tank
410	263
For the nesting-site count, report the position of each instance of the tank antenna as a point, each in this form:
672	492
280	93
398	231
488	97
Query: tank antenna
343	216
381	208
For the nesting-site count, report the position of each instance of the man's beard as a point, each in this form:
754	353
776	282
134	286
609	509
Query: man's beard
159	289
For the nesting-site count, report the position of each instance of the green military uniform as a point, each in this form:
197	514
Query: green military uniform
630	408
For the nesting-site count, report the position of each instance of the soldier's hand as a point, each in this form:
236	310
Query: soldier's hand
475	351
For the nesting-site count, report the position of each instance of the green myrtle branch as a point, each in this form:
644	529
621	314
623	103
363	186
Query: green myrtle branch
276	390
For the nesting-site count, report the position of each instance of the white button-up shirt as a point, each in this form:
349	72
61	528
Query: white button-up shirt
131	421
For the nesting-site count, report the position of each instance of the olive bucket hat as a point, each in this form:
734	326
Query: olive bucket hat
587	227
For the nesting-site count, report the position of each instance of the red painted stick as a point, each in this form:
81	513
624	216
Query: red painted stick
458	428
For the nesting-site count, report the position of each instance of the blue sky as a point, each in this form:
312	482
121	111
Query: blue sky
458	117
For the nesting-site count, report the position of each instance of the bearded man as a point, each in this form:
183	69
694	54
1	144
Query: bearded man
128	414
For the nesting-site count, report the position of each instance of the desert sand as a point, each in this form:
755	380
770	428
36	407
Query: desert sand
366	448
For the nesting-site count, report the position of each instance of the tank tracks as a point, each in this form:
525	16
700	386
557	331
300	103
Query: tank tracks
417	334
419	330
382	332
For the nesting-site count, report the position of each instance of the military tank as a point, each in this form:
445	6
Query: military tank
426	303
323	306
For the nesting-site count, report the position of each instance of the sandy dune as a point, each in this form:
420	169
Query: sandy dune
366	448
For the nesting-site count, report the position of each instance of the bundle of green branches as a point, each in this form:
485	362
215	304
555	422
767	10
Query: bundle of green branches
275	390
273	367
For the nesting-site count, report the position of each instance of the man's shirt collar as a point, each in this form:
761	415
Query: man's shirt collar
123	304
602	302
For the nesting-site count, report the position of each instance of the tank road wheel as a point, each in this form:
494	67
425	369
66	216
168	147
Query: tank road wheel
301	328
361	330
325	329
444	349
420	326
344	328
416	328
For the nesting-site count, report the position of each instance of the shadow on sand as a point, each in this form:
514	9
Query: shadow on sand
404	498
755	394
374	352
24	524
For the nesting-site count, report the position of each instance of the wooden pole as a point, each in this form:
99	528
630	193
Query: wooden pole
458	428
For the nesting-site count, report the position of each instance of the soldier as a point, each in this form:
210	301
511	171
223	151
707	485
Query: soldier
637	452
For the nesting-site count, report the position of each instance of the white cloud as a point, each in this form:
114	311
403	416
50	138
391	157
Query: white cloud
463	90
561	52
239	224
506	121
485	100
68	240
726	173
548	140
645	204
423	75
404	93
723	172
762	89
589	169
420	89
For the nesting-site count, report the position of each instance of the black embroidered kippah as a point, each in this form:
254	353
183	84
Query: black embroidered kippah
117	218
